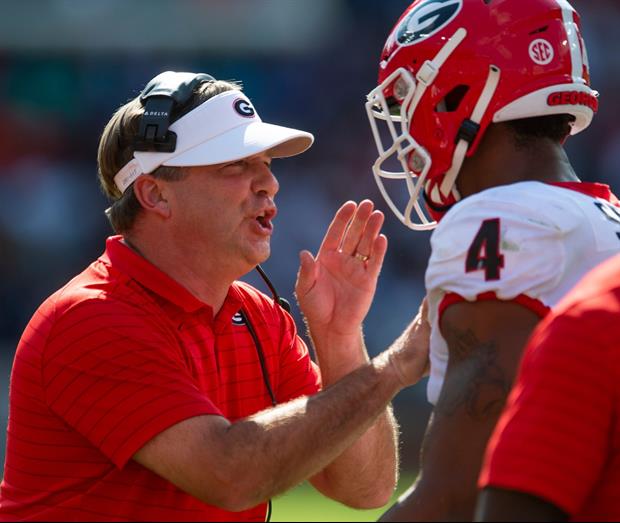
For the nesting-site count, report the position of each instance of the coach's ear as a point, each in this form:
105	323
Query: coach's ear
149	192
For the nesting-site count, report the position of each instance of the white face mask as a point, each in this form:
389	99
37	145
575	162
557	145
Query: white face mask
402	144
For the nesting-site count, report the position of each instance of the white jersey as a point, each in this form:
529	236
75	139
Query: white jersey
530	242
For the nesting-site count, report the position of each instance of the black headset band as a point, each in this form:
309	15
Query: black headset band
160	97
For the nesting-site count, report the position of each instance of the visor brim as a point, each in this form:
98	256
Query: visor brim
245	141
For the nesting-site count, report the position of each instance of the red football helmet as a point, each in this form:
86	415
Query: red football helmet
450	68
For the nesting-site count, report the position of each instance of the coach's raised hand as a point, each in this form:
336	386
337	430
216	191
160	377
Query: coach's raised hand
335	289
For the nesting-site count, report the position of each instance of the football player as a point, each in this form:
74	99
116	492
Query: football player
474	103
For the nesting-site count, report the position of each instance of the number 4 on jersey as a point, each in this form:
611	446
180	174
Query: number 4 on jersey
483	254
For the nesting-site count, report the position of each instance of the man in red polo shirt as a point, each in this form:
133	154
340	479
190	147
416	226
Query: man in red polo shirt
554	454
154	385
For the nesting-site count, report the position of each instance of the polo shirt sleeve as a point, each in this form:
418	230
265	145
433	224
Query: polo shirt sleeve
117	377
300	376
553	438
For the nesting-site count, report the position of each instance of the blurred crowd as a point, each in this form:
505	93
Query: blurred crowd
53	106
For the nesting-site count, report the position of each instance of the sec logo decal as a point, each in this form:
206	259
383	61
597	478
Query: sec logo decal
541	52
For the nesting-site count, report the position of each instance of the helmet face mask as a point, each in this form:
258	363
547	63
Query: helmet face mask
403	149
450	68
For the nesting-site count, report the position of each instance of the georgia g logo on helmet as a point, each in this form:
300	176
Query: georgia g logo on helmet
426	19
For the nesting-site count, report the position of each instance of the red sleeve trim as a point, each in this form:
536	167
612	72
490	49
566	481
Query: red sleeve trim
536	306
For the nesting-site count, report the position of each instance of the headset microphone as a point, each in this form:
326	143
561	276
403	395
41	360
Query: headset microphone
284	303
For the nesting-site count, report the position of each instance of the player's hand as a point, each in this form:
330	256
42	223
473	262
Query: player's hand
335	288
409	354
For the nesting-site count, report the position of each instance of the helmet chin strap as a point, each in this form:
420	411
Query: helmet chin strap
467	135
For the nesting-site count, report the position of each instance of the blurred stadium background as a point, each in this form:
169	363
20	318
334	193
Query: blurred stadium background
66	65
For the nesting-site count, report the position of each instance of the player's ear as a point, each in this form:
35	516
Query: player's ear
149	192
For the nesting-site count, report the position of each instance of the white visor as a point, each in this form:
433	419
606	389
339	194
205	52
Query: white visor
225	128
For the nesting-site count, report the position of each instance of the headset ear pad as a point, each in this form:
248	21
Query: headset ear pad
159	97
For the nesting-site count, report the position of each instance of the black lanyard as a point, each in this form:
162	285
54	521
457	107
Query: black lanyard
261	356
259	348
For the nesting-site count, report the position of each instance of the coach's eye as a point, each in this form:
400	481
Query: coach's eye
235	166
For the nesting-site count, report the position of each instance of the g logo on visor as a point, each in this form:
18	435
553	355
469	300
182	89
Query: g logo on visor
426	19
244	108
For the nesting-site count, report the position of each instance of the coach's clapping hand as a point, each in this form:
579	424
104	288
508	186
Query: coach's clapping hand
409	354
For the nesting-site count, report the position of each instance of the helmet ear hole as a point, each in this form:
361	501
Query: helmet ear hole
452	100
543	29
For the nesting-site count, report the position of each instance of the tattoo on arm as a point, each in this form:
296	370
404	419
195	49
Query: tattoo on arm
474	379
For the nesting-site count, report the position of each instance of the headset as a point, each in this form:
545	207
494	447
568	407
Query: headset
160	97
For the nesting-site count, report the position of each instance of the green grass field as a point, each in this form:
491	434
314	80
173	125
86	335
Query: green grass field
306	504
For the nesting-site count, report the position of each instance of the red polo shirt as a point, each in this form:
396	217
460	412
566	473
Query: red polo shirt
118	355
559	436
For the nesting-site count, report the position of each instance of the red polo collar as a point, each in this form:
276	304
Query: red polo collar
129	262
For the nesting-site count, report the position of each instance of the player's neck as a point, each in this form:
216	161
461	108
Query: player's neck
500	162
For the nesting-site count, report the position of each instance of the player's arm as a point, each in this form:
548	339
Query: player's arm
485	341
496	504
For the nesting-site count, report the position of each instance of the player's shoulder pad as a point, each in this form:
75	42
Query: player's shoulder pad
506	240
531	202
